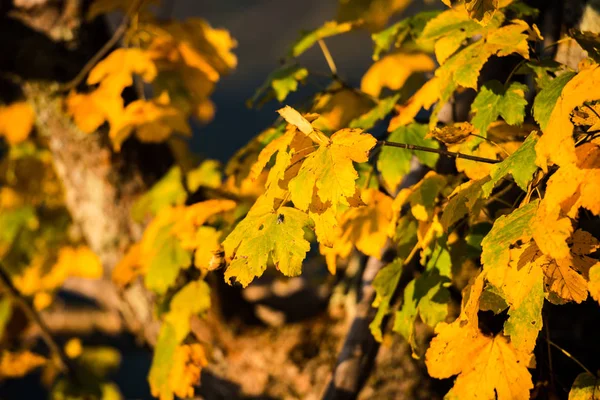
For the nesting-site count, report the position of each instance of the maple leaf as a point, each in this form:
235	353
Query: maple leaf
116	70
188	361
422	196
329	169
494	99
585	387
393	70
425	97
520	164
19	364
426	297
207	174
16	121
281	82
379	112
266	234
557	144
507	230
475	146
486	366
308	39
394	164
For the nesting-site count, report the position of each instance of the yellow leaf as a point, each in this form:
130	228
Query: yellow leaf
393	70
16	121
295	118
423	98
266	234
556	144
154	121
366	227
17	365
594	284
91	110
129	267
80	262
189	359
452	134
329	170
338	107
116	70
486	366
73	348
208	248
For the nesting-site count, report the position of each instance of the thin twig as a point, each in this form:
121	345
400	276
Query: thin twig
117	35
550	366
328	57
566	353
438	151
592	109
61	359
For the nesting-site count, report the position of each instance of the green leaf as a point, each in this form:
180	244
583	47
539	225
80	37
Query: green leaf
585	387
379	112
507	230
546	99
280	83
426	296
308	39
5	314
467	198
495	100
266	235
208	174
169	259
385	284
168	191
520	164
394	163
544	70
163	360
525	320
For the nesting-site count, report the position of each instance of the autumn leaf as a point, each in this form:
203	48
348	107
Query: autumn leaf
338	107
16	121
266	234
328	29
373	13
393	70
507	230
493	100
486	366
19	364
116	71
465	199
385	283
168	191
481	10
556	144
329	169
452	134
585	387
594	283
188	361
207	174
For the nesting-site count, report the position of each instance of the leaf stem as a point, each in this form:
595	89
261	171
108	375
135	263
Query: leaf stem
566	353
328	57
117	35
60	358
438	151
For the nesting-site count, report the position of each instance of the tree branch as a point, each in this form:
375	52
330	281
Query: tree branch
438	151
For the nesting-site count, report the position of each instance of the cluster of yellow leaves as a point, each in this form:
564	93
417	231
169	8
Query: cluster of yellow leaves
41	278
168	242
16	121
182	60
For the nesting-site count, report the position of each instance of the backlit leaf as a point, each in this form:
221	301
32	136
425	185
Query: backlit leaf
547	97
19	364
585	387
495	100
308	39
16	121
266	234
280	82
379	112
